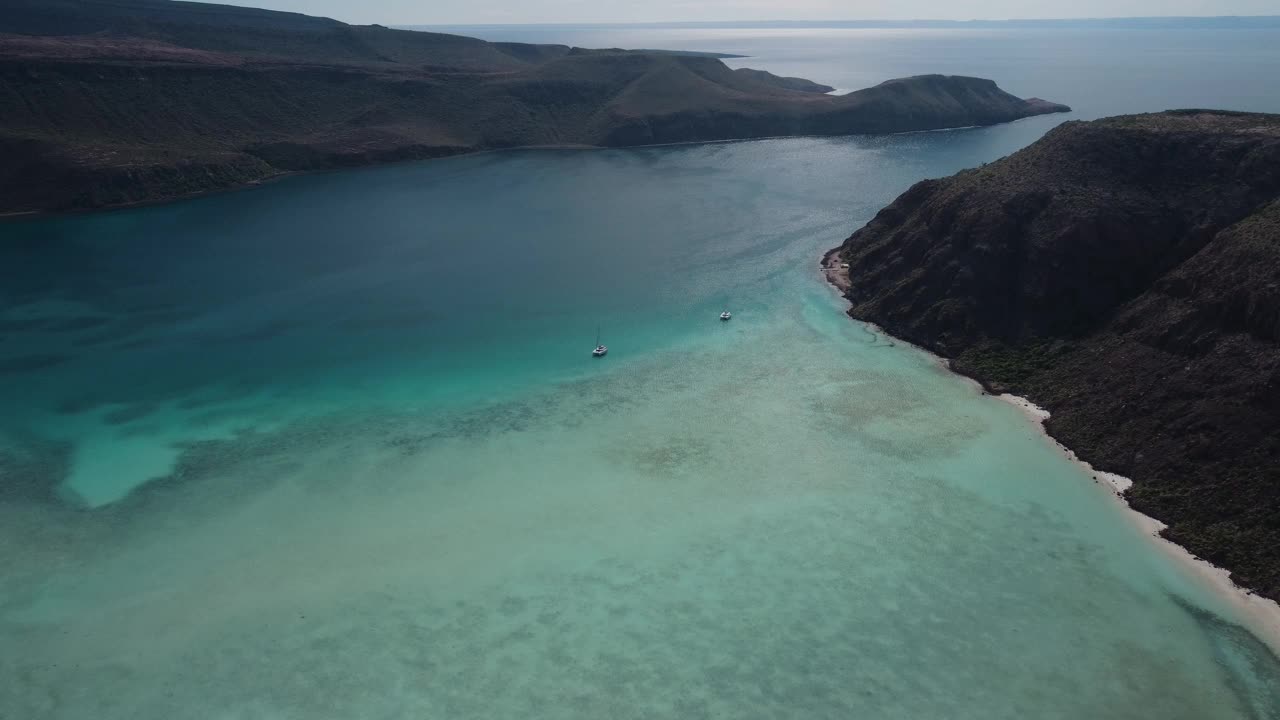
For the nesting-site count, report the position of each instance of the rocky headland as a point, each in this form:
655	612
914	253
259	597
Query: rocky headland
110	102
1124	274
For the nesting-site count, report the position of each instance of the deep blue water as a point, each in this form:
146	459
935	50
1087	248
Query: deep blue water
335	446
1098	72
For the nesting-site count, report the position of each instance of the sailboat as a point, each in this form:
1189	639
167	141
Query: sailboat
600	350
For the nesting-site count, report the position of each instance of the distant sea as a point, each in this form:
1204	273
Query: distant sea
1099	68
335	447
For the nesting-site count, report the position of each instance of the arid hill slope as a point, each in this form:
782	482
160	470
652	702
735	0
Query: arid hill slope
1125	274
105	102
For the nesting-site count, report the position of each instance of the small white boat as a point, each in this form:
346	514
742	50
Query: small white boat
726	315
600	350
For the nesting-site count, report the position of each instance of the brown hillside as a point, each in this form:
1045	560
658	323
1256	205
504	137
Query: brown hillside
1125	274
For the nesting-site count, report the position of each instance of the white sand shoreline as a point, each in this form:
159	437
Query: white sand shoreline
1262	614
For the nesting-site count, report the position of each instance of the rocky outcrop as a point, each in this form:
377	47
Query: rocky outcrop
115	101
1125	274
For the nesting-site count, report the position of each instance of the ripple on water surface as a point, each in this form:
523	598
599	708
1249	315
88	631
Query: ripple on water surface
377	514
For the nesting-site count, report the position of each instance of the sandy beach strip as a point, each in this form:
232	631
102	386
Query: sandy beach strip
836	270
1262	613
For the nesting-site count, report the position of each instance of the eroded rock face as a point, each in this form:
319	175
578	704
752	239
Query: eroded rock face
1125	274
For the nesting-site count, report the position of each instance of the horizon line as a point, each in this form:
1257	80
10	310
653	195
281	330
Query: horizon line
882	21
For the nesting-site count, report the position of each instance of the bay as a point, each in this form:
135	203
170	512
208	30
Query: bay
336	447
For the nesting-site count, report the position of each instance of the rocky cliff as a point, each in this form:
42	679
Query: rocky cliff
105	102
1125	274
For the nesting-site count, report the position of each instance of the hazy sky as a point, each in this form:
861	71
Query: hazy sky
436	12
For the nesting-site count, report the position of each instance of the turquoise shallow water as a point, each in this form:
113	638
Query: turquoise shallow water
335	447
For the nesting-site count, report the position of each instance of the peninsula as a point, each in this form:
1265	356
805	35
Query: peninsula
1124	274
112	102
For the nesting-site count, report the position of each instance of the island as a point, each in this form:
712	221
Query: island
1124	274
112	102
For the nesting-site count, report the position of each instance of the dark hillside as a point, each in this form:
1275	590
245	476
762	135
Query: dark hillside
139	17
252	32
1125	274
104	102
789	83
